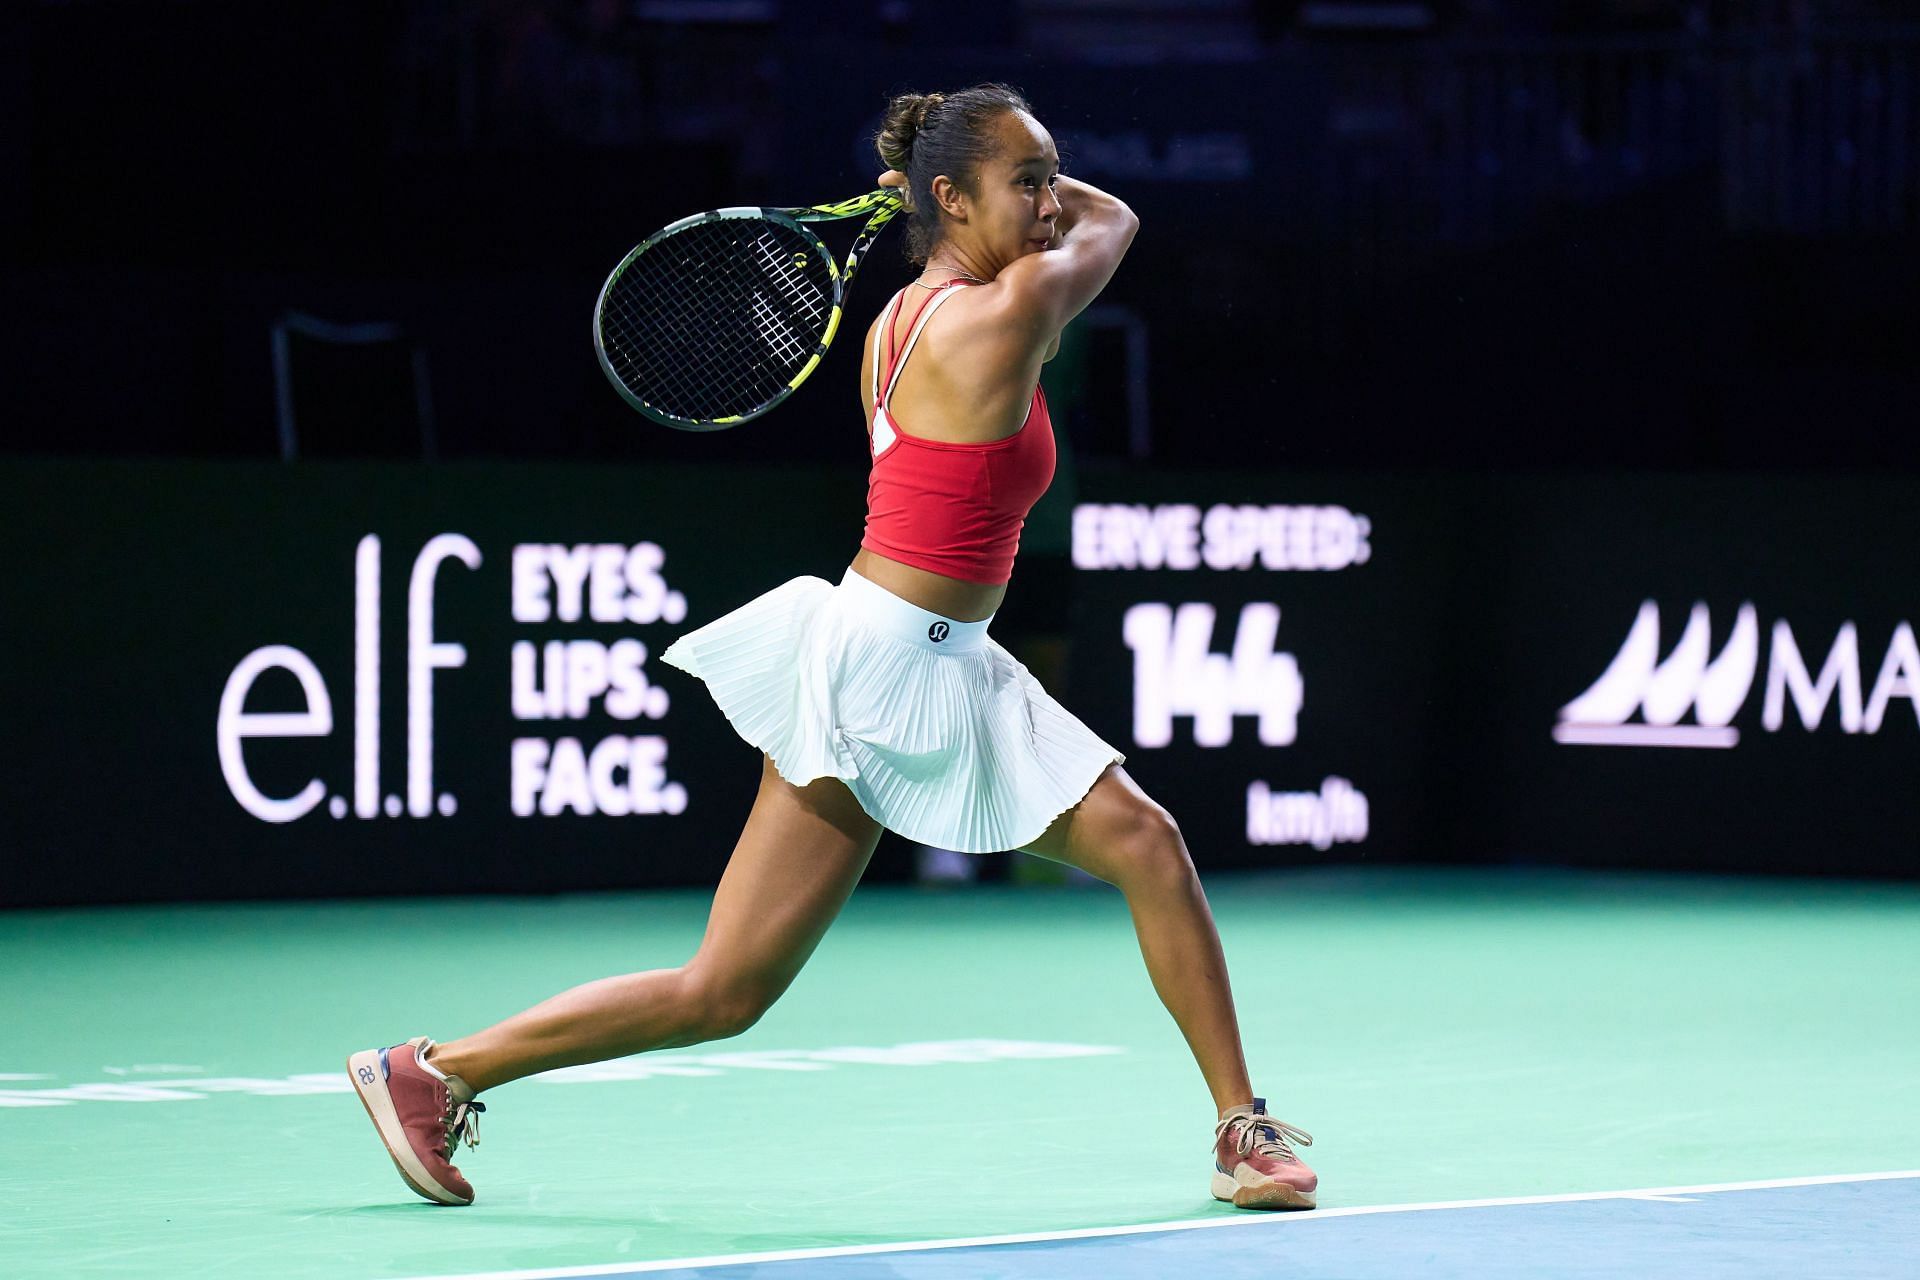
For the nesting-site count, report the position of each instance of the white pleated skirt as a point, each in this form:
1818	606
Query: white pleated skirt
937	730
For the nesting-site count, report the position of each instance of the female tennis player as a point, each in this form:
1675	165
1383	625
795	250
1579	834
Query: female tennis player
881	702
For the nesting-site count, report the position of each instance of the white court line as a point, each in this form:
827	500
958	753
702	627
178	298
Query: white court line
1664	1199
1242	1219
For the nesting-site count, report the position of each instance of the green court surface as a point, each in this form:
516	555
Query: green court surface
954	1063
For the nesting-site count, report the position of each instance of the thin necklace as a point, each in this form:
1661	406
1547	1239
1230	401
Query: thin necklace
960	276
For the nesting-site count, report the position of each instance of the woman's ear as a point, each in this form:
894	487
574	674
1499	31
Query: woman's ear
951	199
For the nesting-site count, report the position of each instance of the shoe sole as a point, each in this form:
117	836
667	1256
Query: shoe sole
386	1122
1265	1194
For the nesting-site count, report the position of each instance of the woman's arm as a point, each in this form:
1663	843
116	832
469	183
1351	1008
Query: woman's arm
1046	290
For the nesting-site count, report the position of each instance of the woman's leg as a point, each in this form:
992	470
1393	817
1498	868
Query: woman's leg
1124	838
801	853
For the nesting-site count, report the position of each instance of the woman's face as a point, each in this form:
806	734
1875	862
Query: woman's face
1014	207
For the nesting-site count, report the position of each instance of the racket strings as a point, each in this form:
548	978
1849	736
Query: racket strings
716	318
790	334
664	346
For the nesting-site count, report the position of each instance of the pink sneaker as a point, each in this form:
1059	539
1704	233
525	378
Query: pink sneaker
421	1114
1253	1161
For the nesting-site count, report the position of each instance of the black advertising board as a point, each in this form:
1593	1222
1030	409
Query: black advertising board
1269	652
1701	672
248	680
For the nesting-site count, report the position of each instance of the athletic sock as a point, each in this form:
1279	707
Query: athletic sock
460	1089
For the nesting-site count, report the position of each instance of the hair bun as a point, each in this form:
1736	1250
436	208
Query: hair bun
906	118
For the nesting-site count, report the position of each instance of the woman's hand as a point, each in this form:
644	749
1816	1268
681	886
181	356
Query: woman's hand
895	178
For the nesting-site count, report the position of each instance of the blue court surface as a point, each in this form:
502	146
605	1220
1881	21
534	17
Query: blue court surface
1865	1225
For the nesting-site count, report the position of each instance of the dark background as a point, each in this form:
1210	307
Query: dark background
1587	302
1645	234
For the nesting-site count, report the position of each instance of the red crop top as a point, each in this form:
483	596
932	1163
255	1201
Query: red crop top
950	508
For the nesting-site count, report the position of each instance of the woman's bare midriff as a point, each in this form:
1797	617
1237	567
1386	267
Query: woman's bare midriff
935	592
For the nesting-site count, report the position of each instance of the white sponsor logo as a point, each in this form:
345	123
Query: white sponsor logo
566	776
605	583
619	775
1714	688
1227	537
1335	814
926	1053
1176	673
425	655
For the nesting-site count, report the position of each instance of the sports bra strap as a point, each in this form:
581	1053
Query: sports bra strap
879	331
927	308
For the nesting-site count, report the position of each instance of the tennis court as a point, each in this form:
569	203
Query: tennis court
1507	1072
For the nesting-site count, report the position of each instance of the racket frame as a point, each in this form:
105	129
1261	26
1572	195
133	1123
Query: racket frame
882	204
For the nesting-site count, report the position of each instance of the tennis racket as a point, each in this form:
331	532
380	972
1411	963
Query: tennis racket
713	320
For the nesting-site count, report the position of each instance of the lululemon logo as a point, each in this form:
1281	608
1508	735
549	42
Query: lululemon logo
937	632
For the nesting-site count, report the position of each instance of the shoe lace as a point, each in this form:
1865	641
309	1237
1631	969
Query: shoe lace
463	1124
1261	1134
